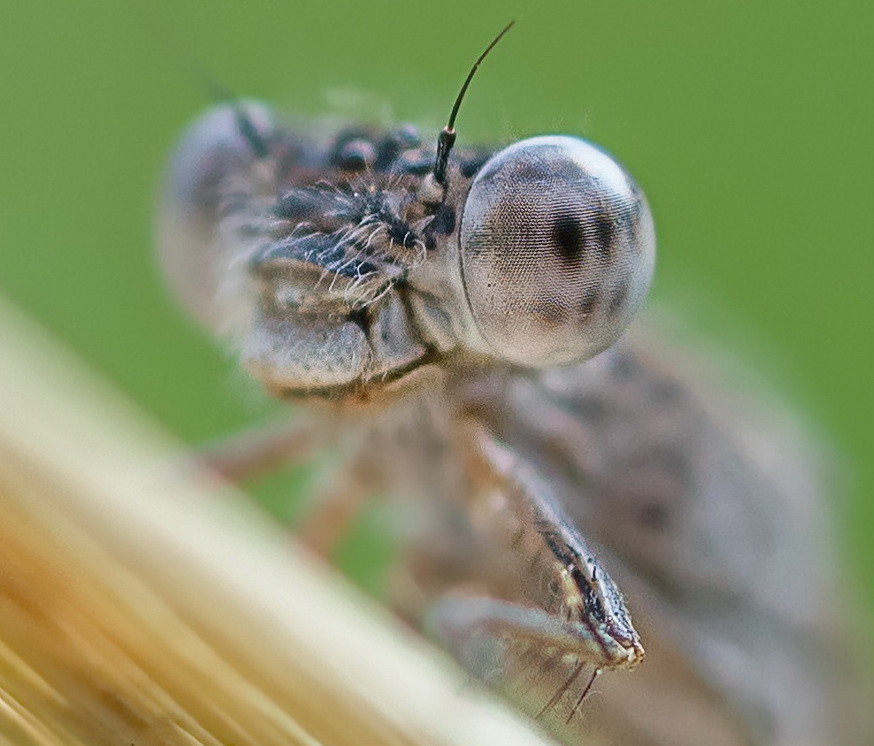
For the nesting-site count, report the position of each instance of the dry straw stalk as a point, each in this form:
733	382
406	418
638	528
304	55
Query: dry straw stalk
135	609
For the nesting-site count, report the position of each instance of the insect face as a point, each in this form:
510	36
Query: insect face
343	266
352	266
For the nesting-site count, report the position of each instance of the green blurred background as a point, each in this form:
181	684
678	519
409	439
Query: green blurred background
748	124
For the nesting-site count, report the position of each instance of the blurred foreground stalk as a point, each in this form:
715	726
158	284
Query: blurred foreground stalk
135	609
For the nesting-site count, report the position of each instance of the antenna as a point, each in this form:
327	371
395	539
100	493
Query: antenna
447	135
213	88
216	90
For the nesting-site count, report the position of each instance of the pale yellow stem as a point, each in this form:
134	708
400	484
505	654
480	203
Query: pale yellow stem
135	609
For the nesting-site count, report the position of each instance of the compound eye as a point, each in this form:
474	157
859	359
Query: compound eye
557	251
212	149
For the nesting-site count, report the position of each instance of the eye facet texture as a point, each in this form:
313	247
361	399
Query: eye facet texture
557	251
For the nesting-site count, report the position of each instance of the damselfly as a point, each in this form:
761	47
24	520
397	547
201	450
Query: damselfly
454	317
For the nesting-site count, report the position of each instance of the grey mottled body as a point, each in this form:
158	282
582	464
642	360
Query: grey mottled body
456	334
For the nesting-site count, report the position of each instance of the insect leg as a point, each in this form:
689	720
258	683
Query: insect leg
591	609
467	624
536	615
257	452
334	508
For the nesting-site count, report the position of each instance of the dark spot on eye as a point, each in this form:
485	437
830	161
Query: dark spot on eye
603	230
589	302
654	516
568	238
526	171
551	312
564	168
618	297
